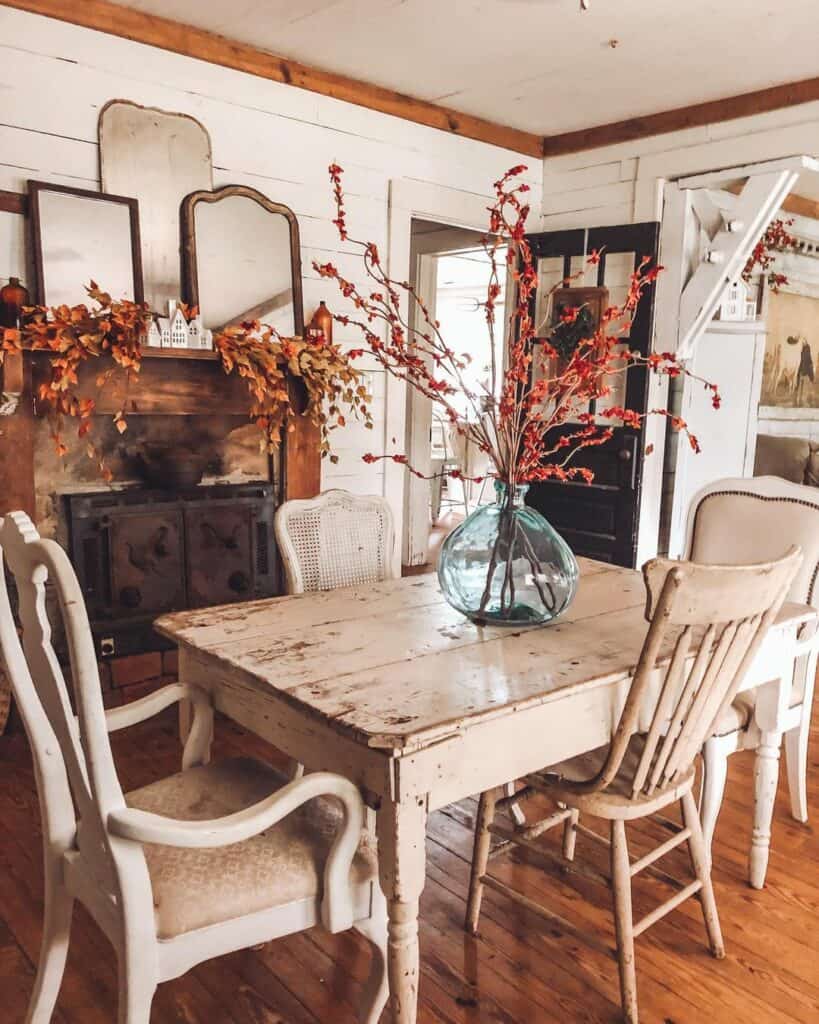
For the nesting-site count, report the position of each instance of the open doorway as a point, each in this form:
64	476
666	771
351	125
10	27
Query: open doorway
450	271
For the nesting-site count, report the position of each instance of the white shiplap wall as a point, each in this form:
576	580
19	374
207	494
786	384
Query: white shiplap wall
624	183
55	78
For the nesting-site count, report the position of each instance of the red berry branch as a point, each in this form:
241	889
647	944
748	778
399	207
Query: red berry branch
533	417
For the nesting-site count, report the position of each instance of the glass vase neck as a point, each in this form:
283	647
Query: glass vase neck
514	495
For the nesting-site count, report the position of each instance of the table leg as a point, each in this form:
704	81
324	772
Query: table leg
402	870
766	778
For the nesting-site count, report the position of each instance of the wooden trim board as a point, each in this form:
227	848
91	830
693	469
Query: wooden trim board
165	34
714	111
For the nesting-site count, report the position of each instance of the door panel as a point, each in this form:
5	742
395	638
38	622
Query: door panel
599	520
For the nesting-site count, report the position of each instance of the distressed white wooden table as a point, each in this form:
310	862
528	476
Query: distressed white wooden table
391	687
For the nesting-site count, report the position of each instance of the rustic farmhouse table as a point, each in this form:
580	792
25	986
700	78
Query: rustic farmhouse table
391	687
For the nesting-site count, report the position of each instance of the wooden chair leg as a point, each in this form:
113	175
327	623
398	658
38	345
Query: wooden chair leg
480	857
136	994
623	922
701	862
514	808
570	835
53	950
796	761
377	990
715	772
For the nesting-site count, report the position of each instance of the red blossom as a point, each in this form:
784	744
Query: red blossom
532	425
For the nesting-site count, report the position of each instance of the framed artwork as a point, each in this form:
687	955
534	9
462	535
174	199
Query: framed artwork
790	371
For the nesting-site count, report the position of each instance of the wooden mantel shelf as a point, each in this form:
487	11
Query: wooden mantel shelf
180	353
171	382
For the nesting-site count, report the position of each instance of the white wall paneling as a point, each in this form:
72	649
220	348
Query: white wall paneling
731	353
57	77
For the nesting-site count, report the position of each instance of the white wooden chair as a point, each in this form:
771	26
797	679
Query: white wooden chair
335	540
706	623
740	520
217	858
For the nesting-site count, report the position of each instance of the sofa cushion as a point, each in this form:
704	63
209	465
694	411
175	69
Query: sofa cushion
812	471
786	457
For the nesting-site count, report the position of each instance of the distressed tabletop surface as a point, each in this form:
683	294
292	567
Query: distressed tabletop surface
394	665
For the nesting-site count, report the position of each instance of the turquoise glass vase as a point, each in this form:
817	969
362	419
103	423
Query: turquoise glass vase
505	564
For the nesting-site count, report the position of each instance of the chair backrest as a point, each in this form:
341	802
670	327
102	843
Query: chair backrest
756	519
335	540
706	625
77	779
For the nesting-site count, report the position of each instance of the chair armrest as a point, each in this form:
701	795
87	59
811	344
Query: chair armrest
146	707
337	904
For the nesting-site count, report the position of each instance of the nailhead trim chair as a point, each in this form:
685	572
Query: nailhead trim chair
740	520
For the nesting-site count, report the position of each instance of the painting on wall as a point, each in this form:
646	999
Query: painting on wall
790	374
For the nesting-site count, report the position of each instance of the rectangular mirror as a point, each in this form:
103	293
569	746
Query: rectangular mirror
78	236
242	260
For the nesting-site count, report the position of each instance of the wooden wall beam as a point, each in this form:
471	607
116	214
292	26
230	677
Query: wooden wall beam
166	34
713	112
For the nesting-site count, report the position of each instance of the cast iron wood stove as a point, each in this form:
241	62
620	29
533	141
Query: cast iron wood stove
139	553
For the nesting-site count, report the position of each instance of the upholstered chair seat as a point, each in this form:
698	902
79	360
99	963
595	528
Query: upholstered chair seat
194	888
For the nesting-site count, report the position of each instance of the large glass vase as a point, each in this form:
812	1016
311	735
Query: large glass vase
505	564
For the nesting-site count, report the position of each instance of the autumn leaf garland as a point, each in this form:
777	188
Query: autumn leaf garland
72	335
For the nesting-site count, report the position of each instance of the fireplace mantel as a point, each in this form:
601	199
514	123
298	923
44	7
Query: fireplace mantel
167	385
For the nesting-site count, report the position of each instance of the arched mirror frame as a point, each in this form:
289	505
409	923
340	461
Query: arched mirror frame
190	274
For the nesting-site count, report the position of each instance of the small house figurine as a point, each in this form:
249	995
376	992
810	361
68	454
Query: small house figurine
198	335
179	330
154	337
736	303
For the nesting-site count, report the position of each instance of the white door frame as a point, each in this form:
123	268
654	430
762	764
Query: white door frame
424	201
658	196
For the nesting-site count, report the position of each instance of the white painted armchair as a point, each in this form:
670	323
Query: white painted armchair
217	858
742	520
335	540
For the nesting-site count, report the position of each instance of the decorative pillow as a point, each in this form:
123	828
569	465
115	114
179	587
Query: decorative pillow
786	457
812	471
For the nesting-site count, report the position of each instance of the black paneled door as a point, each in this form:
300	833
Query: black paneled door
599	520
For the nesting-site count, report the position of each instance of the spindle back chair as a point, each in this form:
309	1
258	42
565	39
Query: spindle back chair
706	624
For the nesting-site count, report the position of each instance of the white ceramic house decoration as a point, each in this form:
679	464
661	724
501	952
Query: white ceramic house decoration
154	338
195	332
164	325
736	303
179	330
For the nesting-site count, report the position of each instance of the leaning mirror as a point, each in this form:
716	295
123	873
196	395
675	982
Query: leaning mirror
241	259
79	236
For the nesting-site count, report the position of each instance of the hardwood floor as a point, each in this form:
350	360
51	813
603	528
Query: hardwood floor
519	970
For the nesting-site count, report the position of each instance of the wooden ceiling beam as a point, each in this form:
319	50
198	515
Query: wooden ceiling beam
774	98
166	34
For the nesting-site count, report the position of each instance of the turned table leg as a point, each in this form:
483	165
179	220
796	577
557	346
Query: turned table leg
402	869
766	778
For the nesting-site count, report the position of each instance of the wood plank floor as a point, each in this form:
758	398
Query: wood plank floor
519	970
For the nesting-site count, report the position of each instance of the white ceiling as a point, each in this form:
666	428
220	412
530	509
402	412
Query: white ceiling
539	65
